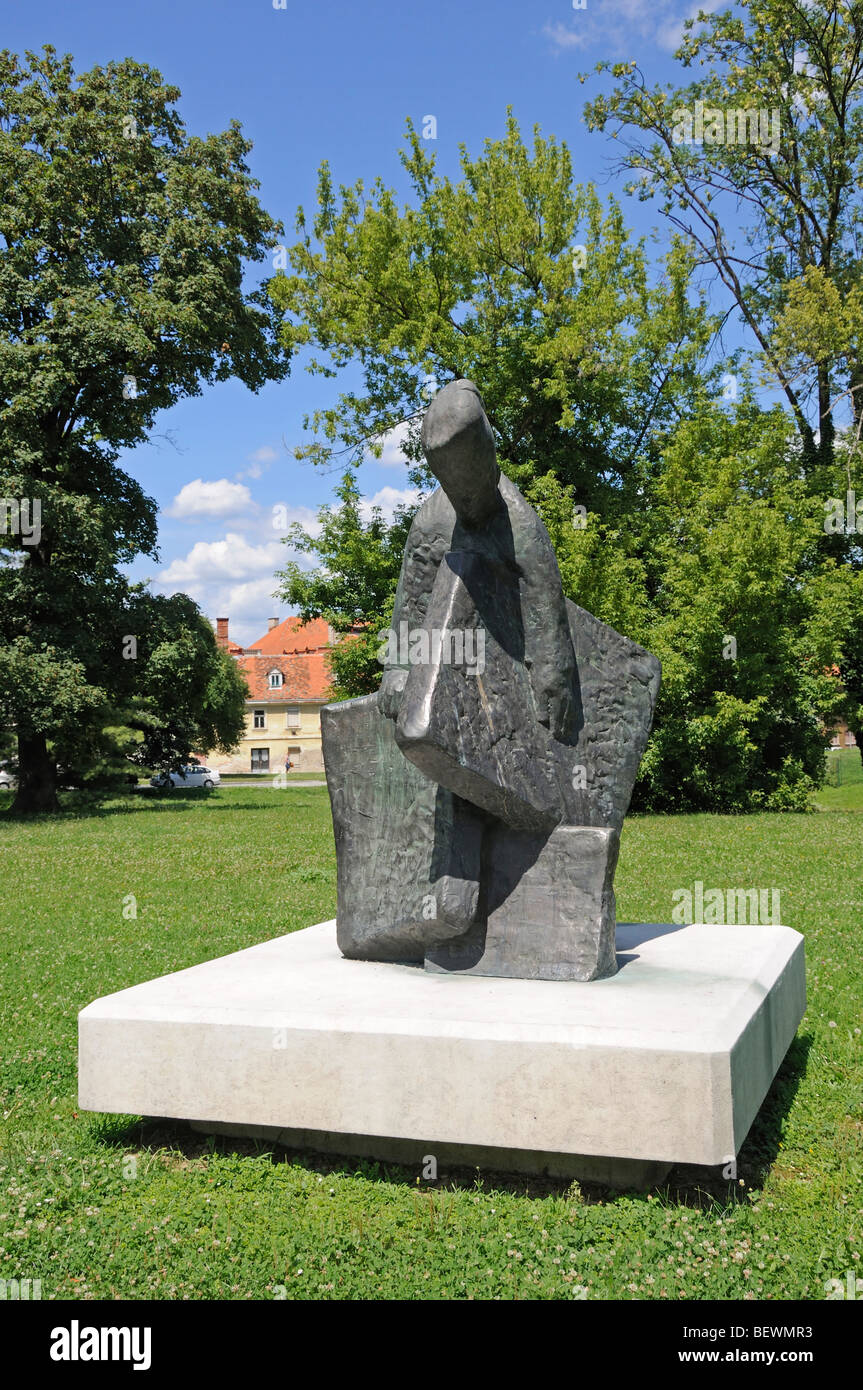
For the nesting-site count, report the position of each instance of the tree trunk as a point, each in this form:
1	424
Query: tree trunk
37	777
855	387
826	425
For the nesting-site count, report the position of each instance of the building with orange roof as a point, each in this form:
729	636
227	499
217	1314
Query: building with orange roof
289	682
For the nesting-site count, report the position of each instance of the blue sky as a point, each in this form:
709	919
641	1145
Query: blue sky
324	79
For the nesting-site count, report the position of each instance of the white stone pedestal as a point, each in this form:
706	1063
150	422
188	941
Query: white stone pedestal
613	1081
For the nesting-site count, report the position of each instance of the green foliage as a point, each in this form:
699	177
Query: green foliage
735	537
99	756
509	276
354	663
775	215
125	240
193	699
720	573
195	693
820	323
692	525
600	566
40	690
580	358
122	247
357	561
353	586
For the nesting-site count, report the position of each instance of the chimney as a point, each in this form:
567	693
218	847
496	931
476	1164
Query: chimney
271	623
222	632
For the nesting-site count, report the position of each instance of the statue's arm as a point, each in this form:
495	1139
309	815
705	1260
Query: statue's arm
549	652
428	540
395	662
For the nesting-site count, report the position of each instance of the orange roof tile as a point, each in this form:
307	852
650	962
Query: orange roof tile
293	636
306	675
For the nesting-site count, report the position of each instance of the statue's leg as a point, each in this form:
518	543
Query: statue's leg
550	906
407	850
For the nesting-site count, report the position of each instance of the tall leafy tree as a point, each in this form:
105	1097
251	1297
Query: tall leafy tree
768	199
177	694
758	163
123	241
509	275
691	523
737	619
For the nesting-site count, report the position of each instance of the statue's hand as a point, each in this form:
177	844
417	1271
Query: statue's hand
391	691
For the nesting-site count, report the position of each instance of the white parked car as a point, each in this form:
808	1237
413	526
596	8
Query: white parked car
7	779
192	776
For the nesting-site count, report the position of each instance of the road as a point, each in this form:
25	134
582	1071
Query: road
262	783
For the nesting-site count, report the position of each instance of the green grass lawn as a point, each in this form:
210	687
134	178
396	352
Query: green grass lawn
843	789
110	1207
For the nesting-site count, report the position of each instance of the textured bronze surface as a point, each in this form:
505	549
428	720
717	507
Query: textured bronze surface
478	797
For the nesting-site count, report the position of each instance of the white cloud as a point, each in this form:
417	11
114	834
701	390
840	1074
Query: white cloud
671	33
231	578
234	575
260	461
231	558
280	517
217	498
248	608
621	21
393	443
388	498
253	598
561	37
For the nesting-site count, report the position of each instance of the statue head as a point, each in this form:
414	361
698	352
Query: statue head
459	446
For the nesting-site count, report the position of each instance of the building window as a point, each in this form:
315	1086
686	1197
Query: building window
259	719
276	680
293	717
260	759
